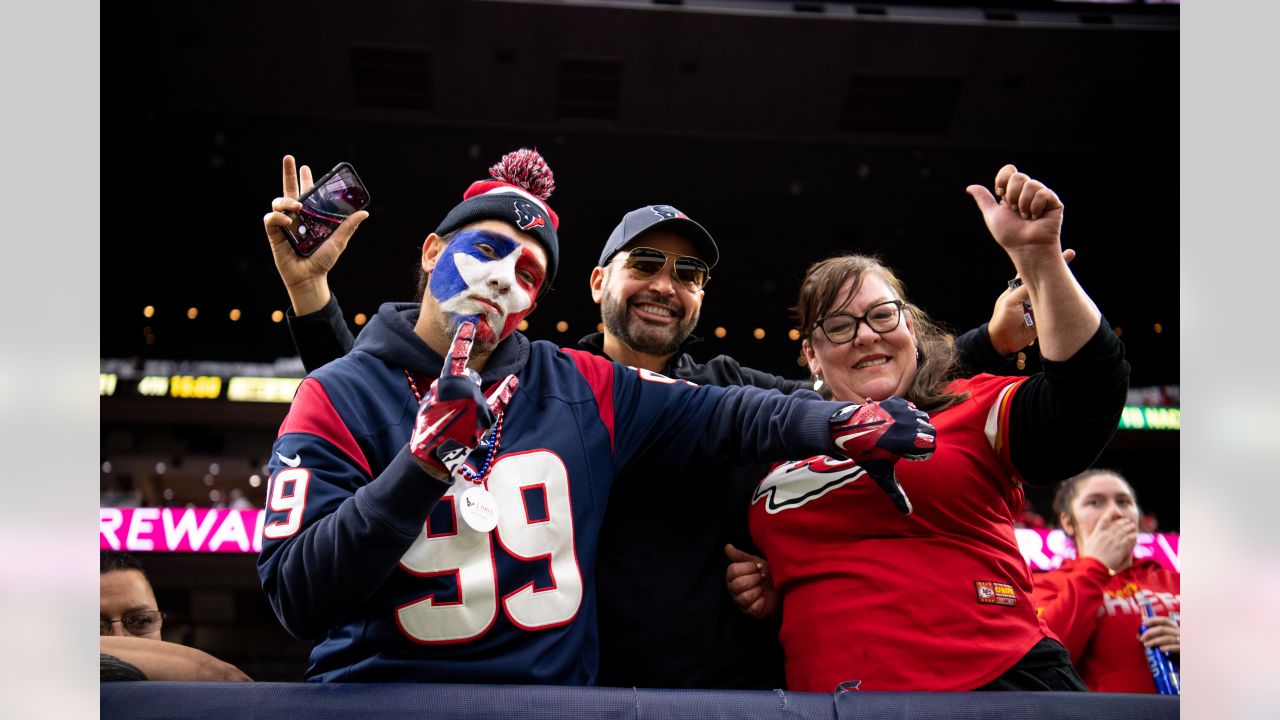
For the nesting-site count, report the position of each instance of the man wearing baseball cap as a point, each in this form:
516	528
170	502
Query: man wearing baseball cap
446	529
665	617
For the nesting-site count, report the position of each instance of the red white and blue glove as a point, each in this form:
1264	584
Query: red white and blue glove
877	434
455	415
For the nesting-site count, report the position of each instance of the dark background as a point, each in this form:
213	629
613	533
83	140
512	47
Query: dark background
790	130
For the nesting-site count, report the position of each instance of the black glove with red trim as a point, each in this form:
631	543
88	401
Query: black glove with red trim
877	434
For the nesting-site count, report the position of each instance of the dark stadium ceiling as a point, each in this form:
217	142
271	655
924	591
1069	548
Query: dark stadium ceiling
788	134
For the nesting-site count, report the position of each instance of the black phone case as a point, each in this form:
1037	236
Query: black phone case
319	183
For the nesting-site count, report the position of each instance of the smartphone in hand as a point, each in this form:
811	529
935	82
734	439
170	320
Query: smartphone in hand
329	201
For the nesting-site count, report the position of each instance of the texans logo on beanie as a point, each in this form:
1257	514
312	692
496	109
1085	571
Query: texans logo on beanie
517	194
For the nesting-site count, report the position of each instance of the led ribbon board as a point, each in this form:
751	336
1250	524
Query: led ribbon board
1142	417
222	530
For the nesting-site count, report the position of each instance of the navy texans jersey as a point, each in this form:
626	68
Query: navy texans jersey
366	555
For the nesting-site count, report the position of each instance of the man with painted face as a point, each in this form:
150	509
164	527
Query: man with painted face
665	619
436	494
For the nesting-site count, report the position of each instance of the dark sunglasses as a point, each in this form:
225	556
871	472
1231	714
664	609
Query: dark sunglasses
645	262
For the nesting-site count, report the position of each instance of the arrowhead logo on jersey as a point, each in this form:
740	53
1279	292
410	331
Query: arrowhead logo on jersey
526	217
793	484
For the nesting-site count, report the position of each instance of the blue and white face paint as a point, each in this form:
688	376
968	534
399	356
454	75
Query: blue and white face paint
489	278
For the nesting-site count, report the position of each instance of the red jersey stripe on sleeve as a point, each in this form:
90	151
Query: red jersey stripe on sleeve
313	413
599	376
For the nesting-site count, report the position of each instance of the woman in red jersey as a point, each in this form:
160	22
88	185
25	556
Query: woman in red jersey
938	596
1093	603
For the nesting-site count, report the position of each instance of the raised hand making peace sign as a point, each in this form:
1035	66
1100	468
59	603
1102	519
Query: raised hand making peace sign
306	278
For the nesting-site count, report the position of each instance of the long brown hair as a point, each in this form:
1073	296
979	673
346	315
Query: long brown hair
936	364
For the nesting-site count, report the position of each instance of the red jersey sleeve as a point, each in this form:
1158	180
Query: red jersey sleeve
1068	599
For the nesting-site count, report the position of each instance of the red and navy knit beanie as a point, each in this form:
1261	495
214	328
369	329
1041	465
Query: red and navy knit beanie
517	194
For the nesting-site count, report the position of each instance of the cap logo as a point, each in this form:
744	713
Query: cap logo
526	218
666	211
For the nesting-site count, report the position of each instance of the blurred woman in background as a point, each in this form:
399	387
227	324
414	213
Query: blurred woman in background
1093	603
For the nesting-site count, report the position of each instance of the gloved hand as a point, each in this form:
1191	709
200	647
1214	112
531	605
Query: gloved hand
455	414
877	434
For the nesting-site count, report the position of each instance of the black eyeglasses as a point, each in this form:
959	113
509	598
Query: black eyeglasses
840	328
645	262
140	623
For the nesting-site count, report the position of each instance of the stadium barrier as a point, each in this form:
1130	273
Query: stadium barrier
339	701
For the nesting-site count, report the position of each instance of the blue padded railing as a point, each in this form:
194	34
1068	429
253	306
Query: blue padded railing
313	701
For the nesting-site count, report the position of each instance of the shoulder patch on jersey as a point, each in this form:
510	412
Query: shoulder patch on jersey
598	372
991	592
792	484
313	413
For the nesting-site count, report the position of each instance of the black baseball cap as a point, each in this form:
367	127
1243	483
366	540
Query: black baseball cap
664	217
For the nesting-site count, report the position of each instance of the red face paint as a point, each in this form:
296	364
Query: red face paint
530	274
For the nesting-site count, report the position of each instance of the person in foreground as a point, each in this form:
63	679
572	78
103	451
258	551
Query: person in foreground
436	494
665	619
1094	603
130	645
937	596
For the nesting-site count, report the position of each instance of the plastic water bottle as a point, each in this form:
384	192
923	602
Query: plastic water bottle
1162	669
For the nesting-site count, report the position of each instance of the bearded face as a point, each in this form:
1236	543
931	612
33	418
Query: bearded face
650	313
648	322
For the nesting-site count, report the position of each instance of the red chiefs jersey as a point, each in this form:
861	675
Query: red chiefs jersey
938	600
1097	615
